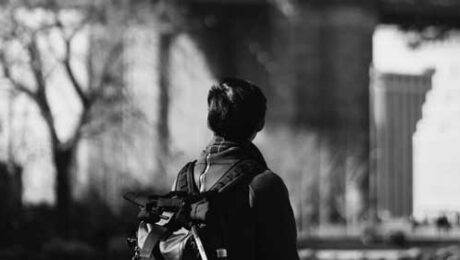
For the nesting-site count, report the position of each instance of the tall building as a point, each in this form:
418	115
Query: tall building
397	107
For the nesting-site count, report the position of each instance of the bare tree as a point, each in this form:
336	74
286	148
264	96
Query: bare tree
27	33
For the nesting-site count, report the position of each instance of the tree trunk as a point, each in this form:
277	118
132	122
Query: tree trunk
163	101
63	158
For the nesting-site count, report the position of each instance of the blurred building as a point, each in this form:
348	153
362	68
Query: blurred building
397	104
127	155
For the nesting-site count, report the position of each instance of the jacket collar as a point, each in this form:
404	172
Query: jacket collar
221	150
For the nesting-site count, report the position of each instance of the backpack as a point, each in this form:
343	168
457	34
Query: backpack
212	235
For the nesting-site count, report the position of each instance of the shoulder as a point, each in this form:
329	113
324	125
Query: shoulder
267	185
267	181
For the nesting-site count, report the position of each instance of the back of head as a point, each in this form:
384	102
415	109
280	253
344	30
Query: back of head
236	109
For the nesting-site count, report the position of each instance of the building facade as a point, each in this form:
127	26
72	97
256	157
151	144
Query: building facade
397	107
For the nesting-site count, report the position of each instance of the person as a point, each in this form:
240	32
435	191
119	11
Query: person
253	219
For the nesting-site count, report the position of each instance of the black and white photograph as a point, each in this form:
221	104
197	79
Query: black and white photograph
229	129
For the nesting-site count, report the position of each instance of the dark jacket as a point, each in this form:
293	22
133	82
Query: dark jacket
258	216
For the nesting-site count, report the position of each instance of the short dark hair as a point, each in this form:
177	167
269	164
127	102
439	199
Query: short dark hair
236	109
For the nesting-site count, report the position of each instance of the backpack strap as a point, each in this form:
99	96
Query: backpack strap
184	181
240	172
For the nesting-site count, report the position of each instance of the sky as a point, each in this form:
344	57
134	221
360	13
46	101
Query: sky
437	139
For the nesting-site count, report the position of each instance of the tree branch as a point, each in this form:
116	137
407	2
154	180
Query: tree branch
67	60
36	65
68	68
16	84
38	97
41	99
49	119
83	120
